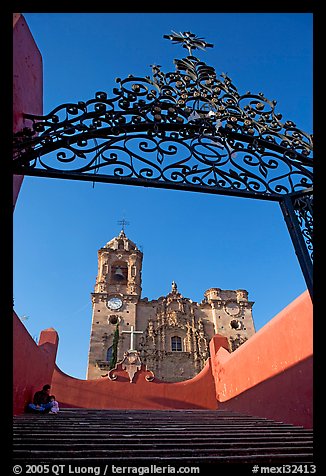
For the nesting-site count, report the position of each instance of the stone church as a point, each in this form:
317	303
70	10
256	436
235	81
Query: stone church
171	333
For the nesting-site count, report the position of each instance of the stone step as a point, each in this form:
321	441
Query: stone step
189	436
163	444
136	452
147	427
194	460
123	439
160	433
148	414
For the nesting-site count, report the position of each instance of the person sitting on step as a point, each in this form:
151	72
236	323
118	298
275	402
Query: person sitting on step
55	407
41	401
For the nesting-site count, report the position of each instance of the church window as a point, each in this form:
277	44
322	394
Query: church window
109	353
176	345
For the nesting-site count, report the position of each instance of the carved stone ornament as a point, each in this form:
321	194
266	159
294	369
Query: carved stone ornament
131	363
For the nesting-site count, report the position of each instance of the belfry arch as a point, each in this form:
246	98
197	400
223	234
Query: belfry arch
185	130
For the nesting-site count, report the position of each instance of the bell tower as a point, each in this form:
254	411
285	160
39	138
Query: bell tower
119	268
116	294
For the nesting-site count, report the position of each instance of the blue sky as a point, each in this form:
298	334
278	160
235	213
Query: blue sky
198	240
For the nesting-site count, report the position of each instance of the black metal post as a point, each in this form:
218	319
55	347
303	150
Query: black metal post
298	241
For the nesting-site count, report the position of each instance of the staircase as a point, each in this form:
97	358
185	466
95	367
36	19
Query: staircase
87	436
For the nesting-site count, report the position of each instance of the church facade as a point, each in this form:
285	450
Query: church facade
171	333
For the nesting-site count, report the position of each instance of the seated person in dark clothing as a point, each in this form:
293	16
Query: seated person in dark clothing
41	401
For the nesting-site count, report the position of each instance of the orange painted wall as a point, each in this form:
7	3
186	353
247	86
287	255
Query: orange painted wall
198	392
33	364
27	81
271	375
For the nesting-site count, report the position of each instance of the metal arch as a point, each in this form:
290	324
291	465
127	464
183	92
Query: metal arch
188	130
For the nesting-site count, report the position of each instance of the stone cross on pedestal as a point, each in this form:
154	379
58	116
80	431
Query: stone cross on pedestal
131	361
132	332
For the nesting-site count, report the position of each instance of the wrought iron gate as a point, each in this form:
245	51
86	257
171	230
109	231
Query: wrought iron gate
189	129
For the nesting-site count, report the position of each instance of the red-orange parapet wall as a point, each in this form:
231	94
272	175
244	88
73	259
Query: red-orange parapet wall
271	375
27	82
198	392
33	364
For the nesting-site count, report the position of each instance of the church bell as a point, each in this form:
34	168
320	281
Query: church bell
118	274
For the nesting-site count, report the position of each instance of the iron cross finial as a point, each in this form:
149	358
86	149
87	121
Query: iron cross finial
123	224
189	40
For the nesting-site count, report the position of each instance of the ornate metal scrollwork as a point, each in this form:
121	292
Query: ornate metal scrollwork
187	129
303	208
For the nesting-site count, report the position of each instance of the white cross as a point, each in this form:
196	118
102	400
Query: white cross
132	333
